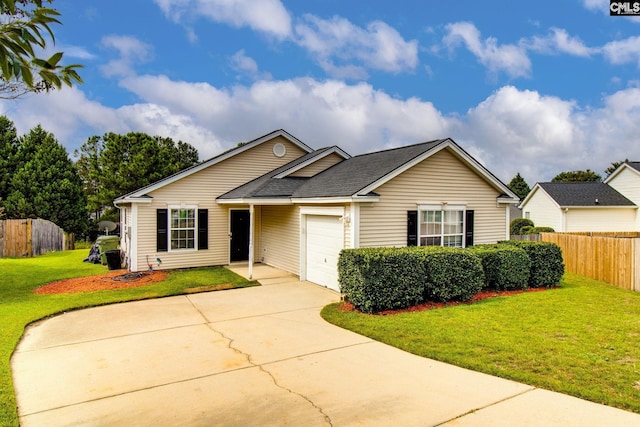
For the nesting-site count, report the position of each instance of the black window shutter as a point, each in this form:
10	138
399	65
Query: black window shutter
162	235
203	229
412	228
468	221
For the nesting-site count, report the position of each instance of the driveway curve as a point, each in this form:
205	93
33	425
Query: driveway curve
258	356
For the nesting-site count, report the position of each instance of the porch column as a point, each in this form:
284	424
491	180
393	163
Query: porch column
251	226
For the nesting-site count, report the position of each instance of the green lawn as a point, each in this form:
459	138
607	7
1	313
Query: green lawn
19	306
581	339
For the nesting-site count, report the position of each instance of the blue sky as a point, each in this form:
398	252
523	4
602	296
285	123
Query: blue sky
536	87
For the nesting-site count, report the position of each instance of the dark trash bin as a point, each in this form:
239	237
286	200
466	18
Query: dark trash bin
113	259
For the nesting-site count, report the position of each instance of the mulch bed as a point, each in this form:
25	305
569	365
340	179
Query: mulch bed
347	306
115	279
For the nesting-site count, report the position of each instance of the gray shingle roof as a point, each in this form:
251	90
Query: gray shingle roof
349	177
635	165
267	186
584	194
344	179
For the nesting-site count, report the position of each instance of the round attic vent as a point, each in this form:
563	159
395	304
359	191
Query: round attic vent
279	150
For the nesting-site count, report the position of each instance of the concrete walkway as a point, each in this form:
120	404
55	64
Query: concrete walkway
259	356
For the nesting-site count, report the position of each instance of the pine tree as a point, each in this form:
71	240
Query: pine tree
46	184
519	186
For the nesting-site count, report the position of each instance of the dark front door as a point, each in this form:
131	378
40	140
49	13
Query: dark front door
239	236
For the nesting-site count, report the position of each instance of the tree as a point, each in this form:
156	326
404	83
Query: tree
46	184
519	186
577	176
113	165
8	152
23	34
614	166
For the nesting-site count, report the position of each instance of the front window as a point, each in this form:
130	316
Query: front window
442	227
183	229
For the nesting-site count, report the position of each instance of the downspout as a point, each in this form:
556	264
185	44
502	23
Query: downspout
251	226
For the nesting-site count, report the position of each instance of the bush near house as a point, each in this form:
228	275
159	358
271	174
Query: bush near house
536	230
365	275
379	279
452	274
505	267
547	266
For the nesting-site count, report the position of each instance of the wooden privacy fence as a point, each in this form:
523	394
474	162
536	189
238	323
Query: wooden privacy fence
612	257
31	237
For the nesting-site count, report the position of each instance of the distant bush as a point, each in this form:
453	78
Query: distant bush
526	229
505	267
547	267
517	224
536	230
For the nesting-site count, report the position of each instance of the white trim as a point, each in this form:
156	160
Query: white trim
354	225
308	210
461	154
329	210
133	239
195	227
599	207
207	163
133	200
619	170
443	208
255	201
531	193
325	200
313	160
251	231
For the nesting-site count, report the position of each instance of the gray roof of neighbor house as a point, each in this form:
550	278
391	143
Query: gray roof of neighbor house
635	165
568	194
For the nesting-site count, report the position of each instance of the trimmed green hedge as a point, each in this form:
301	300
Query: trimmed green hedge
536	230
505	267
452	274
547	266
517	223
378	279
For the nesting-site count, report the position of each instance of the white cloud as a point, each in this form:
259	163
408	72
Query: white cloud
511	130
602	5
131	50
537	133
377	46
558	41
247	66
267	16
507	58
623	51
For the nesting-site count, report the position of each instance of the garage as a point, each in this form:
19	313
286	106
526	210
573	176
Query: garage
324	240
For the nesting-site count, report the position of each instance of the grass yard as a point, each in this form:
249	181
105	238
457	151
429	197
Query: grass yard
581	339
19	306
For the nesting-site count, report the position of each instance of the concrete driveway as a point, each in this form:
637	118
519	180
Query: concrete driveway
258	357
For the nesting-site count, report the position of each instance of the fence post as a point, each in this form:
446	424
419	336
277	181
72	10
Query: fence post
29	237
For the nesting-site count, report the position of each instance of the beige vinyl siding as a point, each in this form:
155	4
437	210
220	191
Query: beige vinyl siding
280	240
601	219
318	166
440	178
543	211
627	183
201	190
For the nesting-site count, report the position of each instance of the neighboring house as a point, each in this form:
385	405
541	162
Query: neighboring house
626	180
579	206
277	201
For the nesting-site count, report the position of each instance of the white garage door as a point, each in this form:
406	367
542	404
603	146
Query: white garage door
325	239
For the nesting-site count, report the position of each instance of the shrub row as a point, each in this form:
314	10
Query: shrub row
378	279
